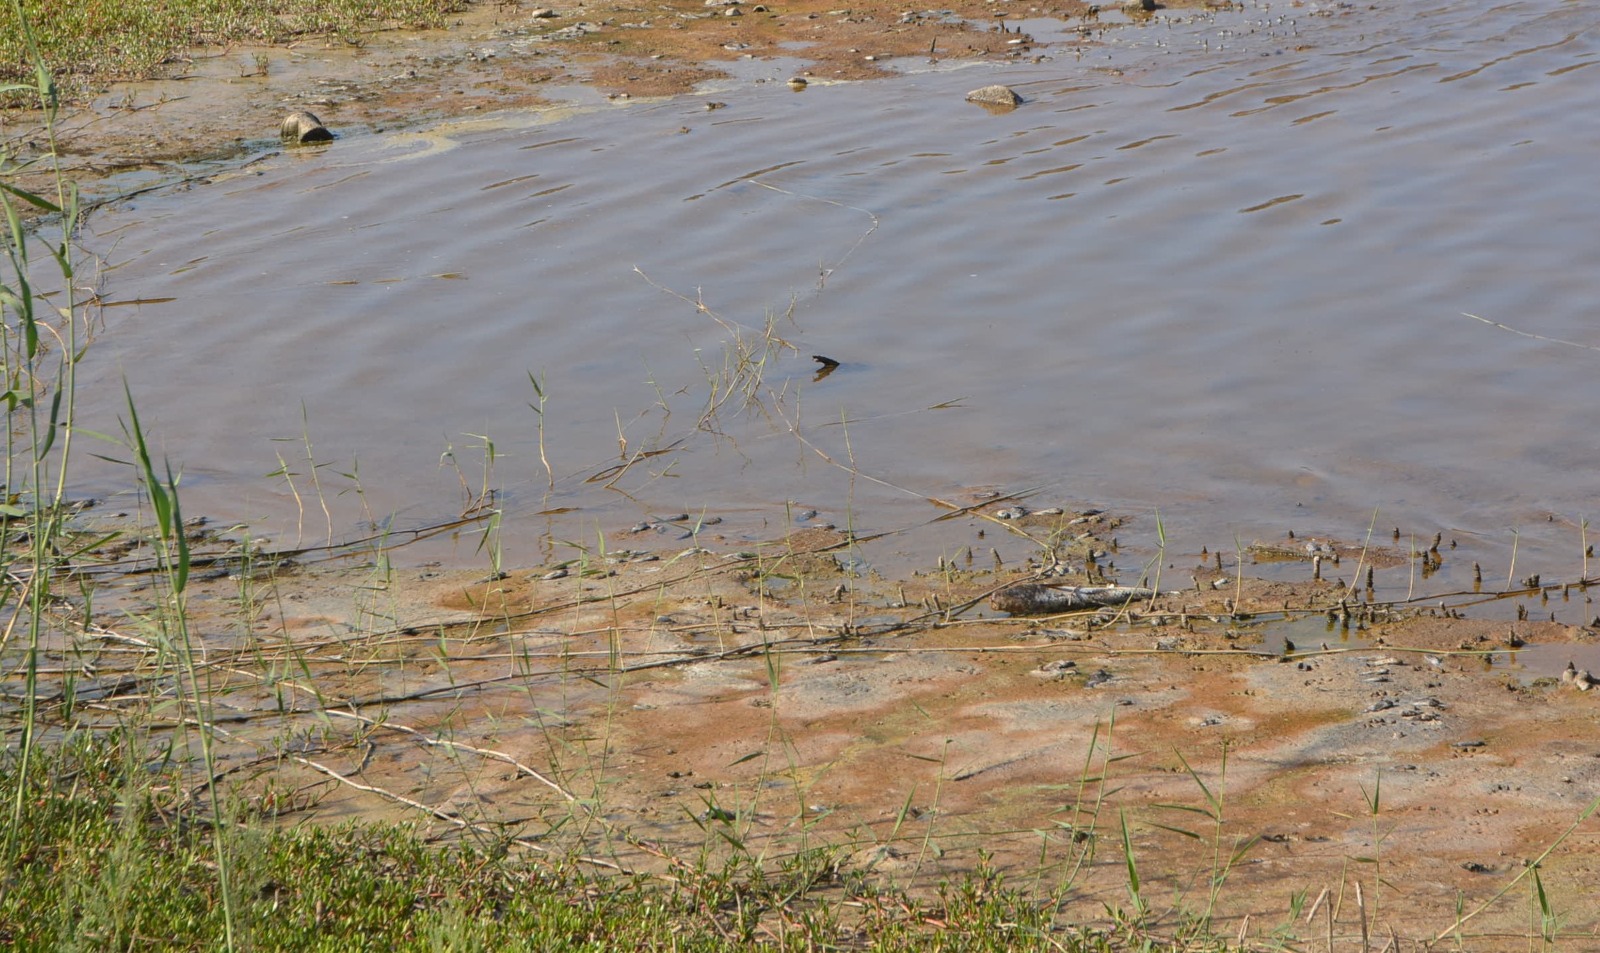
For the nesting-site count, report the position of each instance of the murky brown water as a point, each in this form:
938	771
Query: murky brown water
1217	268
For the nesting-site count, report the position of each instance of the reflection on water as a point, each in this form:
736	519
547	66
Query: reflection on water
1218	266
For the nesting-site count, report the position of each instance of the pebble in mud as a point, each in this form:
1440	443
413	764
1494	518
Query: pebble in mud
1055	669
1578	678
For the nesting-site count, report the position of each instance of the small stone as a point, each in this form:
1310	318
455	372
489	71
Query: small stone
543	13
798	82
1139	6
733	12
555	574
996	95
1055	669
302	126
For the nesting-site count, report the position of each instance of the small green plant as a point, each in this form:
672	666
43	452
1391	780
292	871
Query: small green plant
1132	918
1225	855
538	391
39	354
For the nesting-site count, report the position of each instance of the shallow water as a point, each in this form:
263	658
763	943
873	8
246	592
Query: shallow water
1216	268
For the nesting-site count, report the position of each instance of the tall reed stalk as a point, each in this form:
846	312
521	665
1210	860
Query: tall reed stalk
38	399
40	351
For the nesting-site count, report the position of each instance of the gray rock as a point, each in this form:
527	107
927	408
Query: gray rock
302	126
1139	6
995	95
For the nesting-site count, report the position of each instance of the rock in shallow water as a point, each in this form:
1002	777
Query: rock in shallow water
302	126
995	95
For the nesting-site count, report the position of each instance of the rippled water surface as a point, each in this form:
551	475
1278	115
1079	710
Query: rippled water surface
1218	266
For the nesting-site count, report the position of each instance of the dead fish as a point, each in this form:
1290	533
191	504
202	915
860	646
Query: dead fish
1031	599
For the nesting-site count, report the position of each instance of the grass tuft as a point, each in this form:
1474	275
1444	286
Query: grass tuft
99	42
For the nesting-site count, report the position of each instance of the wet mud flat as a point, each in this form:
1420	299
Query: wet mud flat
1340	761
222	105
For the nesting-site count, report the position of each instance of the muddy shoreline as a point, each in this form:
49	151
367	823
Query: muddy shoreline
628	705
774	690
222	106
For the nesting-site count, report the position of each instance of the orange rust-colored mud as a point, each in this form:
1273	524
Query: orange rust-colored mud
632	705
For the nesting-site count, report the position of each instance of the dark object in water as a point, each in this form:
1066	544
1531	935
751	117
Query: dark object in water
1031	599
302	126
824	361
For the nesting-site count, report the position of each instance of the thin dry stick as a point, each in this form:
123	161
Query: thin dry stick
1361	914
854	208
329	551
1316	903
1530	334
459	822
489	753
1330	918
957	510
